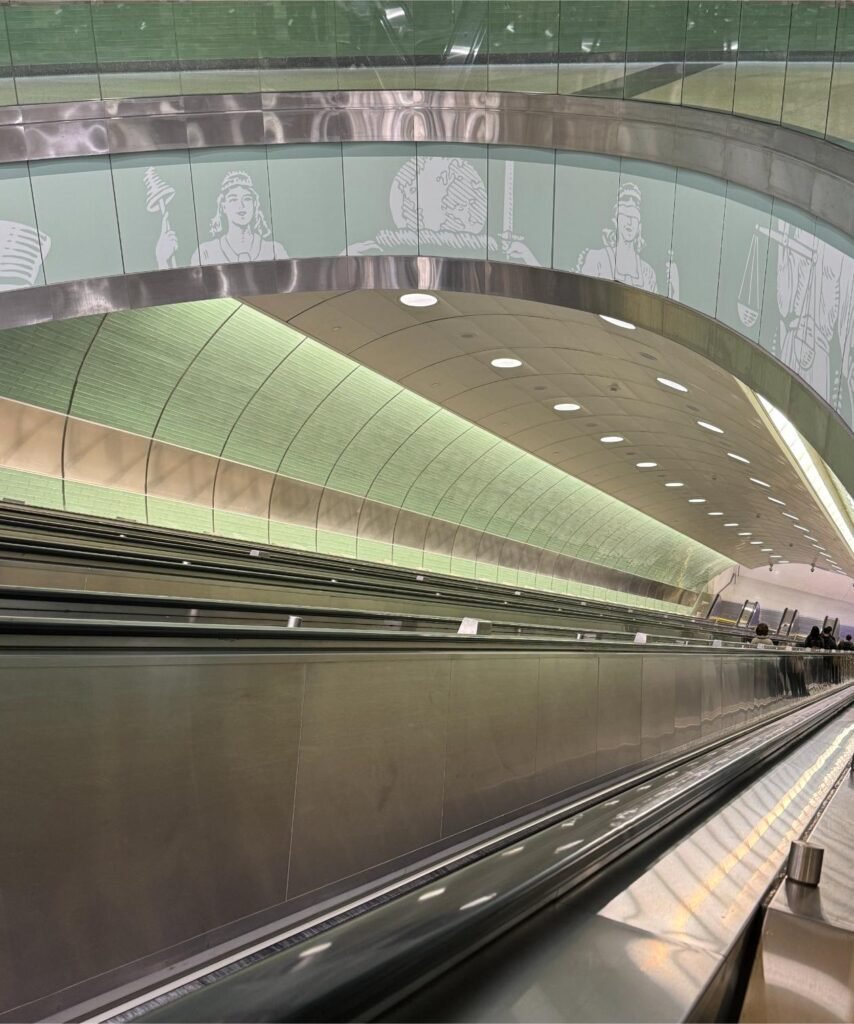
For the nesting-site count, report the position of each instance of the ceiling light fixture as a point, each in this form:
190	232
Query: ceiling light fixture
757	542
730	524
776	500
611	439
766	550
747	534
646	465
675	385
805	529
505	363
810	538
418	300
674	483
617	323
566	407
696	501
709	426
761	483
789	515
779	556
739	458
714	513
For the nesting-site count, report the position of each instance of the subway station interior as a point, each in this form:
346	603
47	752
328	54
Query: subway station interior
426	510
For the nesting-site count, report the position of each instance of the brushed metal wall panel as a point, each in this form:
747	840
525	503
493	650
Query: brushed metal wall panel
710	697
371	765
180	474
567	711
151	803
438	538
376	521
339	512
688	674
619	713
412	530
492	738
103	456
30	438
658	705
294	501
242	489
466	543
733	711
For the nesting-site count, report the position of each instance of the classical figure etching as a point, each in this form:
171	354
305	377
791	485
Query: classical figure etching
23	251
619	259
239	230
815	303
442	201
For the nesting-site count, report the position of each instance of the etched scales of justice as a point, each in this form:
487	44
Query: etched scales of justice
750	290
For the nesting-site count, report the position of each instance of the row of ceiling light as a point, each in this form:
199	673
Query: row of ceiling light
423	299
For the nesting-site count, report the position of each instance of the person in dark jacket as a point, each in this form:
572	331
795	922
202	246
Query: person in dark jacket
827	639
847	644
814	639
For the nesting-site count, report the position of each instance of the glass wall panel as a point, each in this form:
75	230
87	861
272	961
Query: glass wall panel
593	47
655	52
124	33
763	45
451	44
7	82
53	51
218	46
297	46
375	41
711	48
812	41
840	121
523	41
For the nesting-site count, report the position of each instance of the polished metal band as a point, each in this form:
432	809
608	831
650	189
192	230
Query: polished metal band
815	175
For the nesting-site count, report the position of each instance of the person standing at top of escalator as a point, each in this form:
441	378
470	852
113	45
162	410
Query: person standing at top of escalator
814	639
762	639
847	644
827	639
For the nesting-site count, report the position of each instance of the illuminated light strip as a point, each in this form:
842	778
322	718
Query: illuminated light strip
798	449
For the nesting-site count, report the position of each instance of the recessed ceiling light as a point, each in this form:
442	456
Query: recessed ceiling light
696	501
766	550
747	534
566	407
418	299
505	363
730	524
675	385
776	500
739	458
674	483
617	323
779	556
809	538
789	515
804	528
820	547
709	426
714	513
611	439
761	483
757	542
646	465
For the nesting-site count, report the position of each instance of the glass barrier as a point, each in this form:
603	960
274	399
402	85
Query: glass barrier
785	62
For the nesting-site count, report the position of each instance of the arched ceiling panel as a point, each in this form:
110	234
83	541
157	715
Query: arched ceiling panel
40	363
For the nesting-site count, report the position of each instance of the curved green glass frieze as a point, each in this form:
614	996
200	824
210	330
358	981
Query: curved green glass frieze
763	268
787	63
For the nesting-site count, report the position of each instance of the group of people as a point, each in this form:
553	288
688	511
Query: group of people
818	639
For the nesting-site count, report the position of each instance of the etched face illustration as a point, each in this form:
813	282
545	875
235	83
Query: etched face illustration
238	204
451	197
628	221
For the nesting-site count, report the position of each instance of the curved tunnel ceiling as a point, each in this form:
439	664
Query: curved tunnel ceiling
299	444
444	352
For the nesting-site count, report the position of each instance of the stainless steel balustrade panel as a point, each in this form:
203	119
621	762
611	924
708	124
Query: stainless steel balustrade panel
201	795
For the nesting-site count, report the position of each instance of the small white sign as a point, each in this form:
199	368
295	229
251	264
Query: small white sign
717	643
468	627
640	638
254	553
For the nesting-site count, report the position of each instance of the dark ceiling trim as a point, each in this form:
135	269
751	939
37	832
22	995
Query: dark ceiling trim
811	173
822	427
